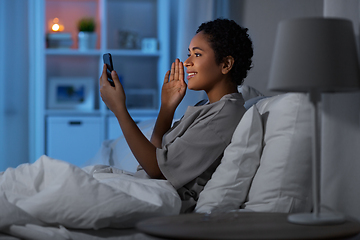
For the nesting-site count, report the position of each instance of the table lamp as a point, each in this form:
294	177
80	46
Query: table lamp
315	55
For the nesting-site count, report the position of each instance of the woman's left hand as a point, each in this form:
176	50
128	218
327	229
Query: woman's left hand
113	97
174	86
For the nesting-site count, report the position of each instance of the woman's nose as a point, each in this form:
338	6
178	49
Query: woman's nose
187	62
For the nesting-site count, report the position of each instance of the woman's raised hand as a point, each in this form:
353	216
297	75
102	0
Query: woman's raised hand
174	87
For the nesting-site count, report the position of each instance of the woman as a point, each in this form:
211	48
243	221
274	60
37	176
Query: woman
187	153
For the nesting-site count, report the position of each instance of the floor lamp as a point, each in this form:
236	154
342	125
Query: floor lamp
315	55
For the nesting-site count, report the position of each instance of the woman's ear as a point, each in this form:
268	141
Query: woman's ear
228	63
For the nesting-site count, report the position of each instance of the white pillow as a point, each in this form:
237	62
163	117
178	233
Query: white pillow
249	92
229	185
283	180
117	153
122	156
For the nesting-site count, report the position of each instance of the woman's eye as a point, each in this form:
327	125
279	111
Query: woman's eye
196	54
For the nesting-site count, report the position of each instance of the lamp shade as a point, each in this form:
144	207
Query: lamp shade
315	54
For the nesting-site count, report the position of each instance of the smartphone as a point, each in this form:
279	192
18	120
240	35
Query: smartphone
109	67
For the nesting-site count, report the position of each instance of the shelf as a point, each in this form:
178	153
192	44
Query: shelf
141	71
96	52
72	112
76	112
137	52
72	52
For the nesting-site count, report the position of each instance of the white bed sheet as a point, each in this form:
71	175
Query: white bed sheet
50	196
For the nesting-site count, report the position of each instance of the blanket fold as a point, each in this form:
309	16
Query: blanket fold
55	193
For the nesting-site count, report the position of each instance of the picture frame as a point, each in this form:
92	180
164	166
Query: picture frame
71	93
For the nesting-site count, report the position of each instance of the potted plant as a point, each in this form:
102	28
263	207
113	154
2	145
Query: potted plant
87	36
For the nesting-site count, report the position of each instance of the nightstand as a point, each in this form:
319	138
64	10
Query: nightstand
242	225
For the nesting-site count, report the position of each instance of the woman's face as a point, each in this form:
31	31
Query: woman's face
203	72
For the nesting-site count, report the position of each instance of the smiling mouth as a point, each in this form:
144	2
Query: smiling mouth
190	75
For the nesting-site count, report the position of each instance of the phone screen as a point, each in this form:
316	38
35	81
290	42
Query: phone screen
109	67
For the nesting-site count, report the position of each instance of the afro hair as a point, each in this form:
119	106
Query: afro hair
227	38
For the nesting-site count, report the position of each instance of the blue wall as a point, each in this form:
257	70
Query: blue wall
13	83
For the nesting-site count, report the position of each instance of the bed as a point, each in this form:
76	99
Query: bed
264	169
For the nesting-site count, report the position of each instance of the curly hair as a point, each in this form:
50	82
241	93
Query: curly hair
227	38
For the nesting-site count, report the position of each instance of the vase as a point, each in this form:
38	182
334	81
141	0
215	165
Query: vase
87	40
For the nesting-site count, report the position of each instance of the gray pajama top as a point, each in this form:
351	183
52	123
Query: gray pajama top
193	147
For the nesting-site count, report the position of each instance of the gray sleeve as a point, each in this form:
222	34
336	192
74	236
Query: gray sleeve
198	141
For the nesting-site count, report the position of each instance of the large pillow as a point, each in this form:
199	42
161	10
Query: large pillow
230	183
283	180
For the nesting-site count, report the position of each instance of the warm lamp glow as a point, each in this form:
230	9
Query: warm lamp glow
56	26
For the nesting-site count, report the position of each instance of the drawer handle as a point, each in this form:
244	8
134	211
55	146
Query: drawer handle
75	122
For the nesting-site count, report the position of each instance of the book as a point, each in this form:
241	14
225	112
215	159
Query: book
58	35
59	40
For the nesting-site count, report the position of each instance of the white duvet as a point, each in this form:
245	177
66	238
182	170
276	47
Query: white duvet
54	193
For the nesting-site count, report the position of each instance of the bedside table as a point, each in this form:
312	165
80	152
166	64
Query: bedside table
242	225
